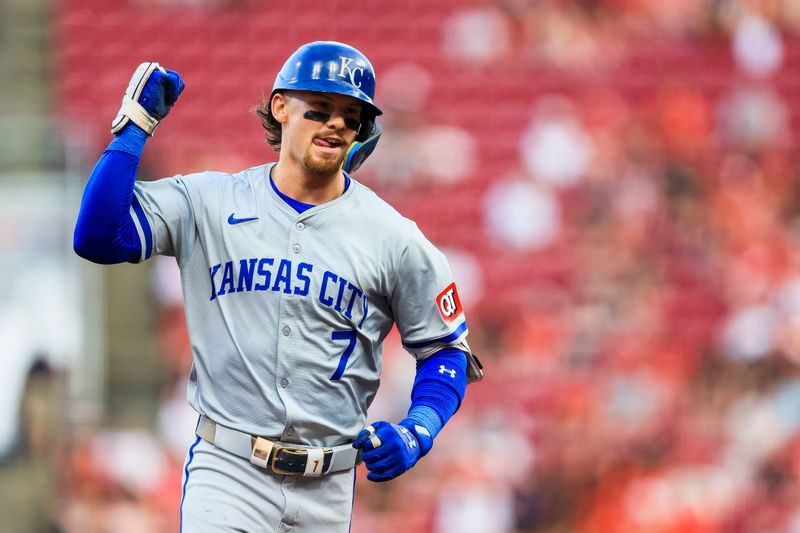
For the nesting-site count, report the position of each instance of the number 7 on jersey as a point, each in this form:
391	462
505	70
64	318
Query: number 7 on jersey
350	336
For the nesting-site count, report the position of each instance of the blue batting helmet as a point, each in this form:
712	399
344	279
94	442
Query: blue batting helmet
329	67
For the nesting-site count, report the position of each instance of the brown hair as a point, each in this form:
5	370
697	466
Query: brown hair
269	123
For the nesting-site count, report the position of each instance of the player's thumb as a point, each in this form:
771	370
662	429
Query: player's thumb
367	440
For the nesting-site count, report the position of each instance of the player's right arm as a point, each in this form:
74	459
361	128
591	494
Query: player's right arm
106	231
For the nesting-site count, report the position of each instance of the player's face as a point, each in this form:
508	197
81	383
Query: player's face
319	129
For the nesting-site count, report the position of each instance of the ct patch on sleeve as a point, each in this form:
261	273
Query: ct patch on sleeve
448	303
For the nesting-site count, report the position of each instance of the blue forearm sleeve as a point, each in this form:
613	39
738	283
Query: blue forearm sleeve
105	232
439	389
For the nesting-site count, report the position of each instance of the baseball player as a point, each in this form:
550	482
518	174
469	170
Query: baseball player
293	274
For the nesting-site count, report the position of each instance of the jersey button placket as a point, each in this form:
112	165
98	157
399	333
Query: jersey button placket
284	383
296	246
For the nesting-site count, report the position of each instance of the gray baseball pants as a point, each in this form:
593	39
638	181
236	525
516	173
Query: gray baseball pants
225	493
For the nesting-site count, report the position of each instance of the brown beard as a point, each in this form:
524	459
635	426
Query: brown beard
322	168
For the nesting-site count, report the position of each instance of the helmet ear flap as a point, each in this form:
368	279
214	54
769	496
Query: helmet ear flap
365	144
366	130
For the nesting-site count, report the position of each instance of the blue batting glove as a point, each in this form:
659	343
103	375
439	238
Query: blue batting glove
161	92
389	451
151	93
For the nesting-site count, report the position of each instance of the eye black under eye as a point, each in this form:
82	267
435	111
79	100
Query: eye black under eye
353	124
317	116
350	123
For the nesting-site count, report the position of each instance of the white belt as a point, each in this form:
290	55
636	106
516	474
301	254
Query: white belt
272	455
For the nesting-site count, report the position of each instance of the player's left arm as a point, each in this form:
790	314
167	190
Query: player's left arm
433	328
389	450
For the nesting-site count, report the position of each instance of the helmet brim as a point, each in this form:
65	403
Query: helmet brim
330	87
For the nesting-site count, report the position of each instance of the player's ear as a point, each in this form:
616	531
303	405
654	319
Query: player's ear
278	105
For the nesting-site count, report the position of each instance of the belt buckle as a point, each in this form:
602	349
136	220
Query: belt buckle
276	452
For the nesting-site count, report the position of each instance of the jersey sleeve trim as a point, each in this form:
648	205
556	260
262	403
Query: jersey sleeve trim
143	227
460	331
139	234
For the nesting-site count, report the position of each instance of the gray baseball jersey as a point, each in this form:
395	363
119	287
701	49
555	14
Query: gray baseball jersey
287	312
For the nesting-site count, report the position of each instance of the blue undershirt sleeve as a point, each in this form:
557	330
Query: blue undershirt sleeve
105	232
439	388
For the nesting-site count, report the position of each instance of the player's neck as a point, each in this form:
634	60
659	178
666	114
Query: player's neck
299	185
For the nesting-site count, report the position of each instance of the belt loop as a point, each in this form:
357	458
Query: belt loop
262	448
206	429
315	462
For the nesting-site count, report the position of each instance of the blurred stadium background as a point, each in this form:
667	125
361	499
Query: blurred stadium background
616	185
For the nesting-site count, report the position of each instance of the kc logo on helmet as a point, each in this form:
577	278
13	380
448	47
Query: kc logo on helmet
448	303
345	70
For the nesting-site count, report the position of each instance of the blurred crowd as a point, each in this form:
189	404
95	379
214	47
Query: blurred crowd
630	267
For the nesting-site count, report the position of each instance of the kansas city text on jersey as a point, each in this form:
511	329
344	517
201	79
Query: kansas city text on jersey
281	275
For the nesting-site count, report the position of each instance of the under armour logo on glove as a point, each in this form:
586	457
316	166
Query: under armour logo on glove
411	441
444	370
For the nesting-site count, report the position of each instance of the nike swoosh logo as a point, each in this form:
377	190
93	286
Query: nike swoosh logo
234	220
